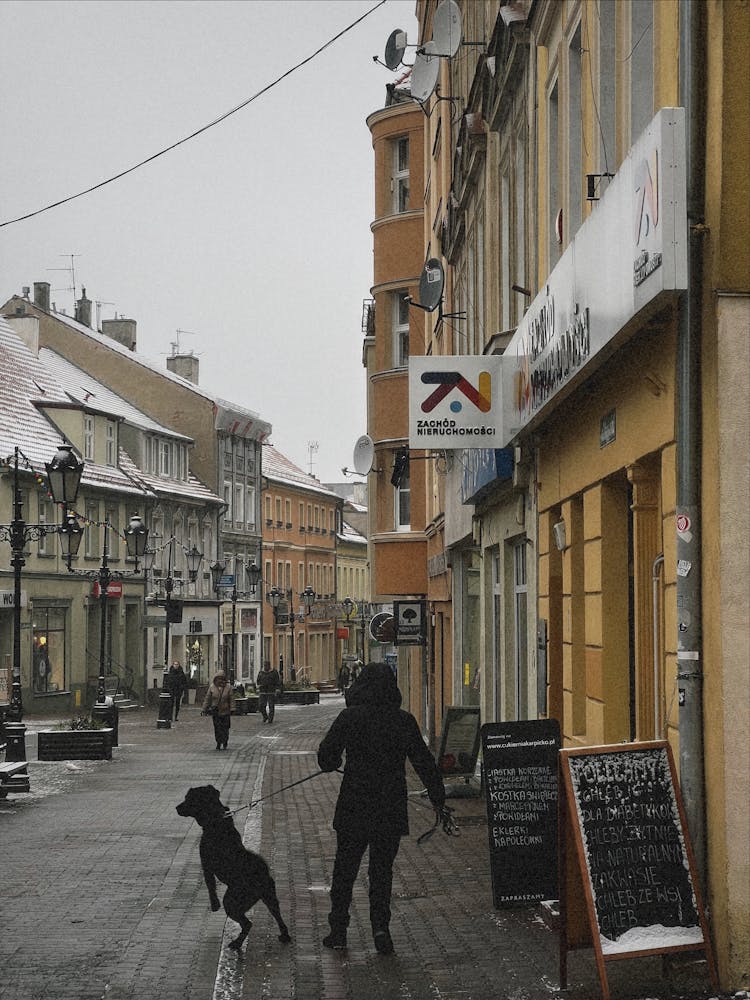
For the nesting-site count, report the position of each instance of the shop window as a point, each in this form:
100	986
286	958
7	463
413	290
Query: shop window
48	661
520	630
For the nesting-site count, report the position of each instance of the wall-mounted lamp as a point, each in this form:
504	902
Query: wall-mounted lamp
558	530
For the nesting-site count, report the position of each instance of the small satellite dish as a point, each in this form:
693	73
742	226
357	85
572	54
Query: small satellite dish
431	284
424	73
446	28
394	48
364	452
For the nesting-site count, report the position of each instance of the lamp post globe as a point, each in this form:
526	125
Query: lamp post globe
64	475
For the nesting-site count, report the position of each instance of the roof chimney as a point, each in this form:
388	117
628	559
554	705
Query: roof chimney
41	295
83	309
122	330
184	365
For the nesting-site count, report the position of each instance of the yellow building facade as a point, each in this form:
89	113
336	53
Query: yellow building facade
585	197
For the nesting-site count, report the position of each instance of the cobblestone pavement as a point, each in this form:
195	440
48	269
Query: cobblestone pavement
101	894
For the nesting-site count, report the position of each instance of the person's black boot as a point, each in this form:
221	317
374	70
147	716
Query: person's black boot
383	942
336	939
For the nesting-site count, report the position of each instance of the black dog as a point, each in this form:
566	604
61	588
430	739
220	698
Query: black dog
224	857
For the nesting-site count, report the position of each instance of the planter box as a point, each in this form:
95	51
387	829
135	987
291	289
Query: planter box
75	744
308	697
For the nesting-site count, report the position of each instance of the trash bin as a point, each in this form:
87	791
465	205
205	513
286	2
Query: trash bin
108	713
164	720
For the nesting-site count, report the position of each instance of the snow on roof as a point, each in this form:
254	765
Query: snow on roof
91	393
191	489
261	427
351	535
278	467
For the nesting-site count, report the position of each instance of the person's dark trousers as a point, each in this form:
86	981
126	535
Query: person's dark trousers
349	852
221	729
176	699
267	705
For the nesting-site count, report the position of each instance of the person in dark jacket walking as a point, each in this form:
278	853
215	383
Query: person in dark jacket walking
219	704
377	737
269	683
176	684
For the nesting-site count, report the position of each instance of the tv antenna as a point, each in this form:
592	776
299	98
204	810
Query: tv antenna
175	344
99	304
71	270
312	448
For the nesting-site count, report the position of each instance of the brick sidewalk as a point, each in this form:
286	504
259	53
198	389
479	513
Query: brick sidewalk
101	893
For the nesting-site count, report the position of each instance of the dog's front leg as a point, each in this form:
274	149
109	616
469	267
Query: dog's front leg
210	878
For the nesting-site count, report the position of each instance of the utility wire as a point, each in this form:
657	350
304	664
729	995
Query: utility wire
203	128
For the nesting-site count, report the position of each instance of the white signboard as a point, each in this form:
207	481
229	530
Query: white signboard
455	402
8	599
630	252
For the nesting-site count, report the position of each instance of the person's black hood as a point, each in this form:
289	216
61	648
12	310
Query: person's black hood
375	685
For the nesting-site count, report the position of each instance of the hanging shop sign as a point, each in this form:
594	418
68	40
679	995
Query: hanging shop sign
455	402
628	257
410	618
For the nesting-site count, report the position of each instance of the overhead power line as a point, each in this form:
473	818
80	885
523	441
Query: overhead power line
201	130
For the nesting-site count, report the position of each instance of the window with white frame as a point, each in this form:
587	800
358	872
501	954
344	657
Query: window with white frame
400	175
46	517
403	503
164	458
111	445
250	506
112	517
88	439
228	501
400	328
575	136
239	505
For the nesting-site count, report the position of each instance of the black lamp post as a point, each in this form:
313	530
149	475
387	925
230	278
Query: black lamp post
19	534
217	572
274	596
173	614
349	608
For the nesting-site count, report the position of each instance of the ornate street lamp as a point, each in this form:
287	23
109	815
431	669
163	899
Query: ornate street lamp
217	572
66	467
308	599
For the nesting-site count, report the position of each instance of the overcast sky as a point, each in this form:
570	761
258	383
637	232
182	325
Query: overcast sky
254	236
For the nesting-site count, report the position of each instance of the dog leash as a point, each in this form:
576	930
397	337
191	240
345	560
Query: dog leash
443	815
278	791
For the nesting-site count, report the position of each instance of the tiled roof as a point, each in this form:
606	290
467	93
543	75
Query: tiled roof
193	489
278	467
24	380
221	406
88	391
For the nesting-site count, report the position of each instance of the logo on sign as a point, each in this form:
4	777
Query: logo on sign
646	216
481	396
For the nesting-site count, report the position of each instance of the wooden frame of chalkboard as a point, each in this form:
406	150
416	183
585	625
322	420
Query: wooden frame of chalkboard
622	808
459	744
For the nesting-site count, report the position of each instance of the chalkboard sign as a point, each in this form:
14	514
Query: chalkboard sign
520	778
635	860
459	745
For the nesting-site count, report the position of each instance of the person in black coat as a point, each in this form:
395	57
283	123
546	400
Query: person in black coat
176	684
377	737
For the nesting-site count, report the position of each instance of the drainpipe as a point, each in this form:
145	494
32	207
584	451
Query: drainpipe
688	511
655	578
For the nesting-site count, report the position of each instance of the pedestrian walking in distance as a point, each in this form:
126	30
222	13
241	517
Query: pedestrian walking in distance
219	704
343	678
176	684
269	682
377	736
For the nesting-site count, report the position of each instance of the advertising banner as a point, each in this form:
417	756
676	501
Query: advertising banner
455	402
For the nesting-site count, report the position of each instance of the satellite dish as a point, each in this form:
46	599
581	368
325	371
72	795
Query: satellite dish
446	28
364	452
431	284
394	48
424	73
